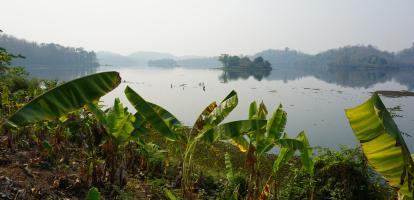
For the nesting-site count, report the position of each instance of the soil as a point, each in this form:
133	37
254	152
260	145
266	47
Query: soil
24	176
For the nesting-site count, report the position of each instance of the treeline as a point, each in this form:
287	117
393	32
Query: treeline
47	54
358	56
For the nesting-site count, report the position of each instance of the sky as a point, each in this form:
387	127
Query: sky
211	27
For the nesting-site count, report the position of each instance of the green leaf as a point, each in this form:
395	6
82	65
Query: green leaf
66	98
284	155
262	112
169	118
276	124
93	194
169	195
229	168
382	143
150	115
201	120
290	143
231	130
119	121
224	109
305	153
240	142
289	146
252	110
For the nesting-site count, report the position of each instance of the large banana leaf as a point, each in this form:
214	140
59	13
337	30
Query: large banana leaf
382	143
66	98
149	112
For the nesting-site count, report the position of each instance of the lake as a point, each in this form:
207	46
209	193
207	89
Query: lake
314	98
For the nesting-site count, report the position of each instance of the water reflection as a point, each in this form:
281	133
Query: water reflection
355	78
232	75
64	73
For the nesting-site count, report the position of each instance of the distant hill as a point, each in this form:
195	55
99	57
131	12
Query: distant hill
47	54
406	56
166	62
109	58
200	62
137	58
356	56
283	58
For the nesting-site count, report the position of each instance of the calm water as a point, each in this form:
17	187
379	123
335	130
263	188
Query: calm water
313	98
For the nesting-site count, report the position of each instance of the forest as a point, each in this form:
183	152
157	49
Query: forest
356	56
58	141
47	54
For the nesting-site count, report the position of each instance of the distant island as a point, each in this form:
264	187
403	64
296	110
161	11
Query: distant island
244	62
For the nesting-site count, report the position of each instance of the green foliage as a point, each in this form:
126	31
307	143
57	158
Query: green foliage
93	194
236	185
166	126
243	62
66	98
383	143
342	174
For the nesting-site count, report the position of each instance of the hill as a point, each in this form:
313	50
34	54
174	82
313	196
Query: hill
47	54
140	58
283	58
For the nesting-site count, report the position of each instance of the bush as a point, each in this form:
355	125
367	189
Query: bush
342	174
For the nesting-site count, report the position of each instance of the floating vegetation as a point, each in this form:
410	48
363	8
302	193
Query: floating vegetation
395	94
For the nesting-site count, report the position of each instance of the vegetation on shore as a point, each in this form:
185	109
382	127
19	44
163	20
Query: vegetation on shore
58	142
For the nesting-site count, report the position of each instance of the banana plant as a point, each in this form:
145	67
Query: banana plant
61	100
118	126
383	144
255	135
258	135
172	129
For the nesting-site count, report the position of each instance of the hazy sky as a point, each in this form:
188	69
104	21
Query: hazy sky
211	27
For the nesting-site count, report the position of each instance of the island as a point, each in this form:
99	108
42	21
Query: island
244	62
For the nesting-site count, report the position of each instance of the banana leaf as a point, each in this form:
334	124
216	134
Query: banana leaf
66	98
222	110
284	155
231	130
252	109
288	148
306	153
201	120
382	143
119	121
276	124
148	111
